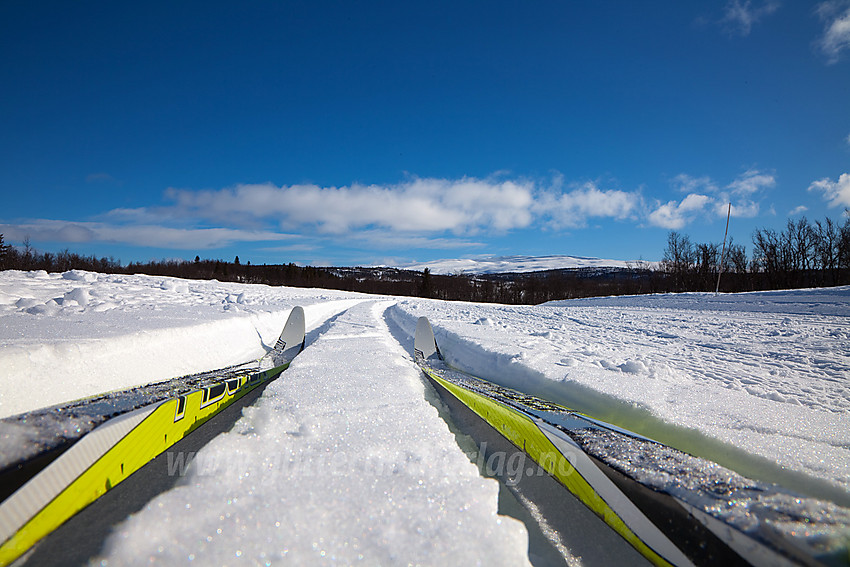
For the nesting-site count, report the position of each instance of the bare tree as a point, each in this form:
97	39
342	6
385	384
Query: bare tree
679	259
707	264
737	258
766	250
28	249
800	242
843	252
828	237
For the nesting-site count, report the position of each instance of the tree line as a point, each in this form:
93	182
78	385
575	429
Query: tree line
803	254
519	288
27	258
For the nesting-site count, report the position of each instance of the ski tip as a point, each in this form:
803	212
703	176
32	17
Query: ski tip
424	345
291	340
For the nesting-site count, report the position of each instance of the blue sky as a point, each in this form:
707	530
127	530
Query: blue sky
366	132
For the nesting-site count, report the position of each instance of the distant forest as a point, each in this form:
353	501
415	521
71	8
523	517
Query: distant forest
804	254
801	255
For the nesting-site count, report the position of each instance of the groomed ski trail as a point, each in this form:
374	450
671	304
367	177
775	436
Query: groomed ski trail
342	460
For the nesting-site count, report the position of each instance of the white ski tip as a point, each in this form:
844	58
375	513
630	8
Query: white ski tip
291	340
424	344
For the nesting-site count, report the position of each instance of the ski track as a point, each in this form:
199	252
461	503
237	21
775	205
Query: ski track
769	377
767	374
340	460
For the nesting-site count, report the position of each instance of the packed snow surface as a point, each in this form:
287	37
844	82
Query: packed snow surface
345	455
342	461
513	264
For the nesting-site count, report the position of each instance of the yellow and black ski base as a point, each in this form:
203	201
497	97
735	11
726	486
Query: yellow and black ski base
120	446
628	481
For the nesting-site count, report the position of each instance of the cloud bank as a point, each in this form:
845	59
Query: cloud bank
464	206
418	212
156	236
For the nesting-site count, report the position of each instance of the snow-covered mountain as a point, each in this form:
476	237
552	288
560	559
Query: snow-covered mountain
510	264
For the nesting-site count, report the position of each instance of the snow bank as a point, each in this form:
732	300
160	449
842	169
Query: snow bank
759	382
72	335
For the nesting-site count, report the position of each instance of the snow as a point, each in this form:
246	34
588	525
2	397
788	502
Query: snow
759	382
332	464
819	527
512	264
106	332
345	456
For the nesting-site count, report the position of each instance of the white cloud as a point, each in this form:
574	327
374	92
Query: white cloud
694	202
419	212
411	209
836	33
750	182
687	184
675	215
466	206
742	193
740	17
798	211
53	230
572	209
48	230
741	208
836	193
745	185
462	206
744	208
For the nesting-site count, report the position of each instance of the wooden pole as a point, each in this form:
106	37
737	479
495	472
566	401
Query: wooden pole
723	250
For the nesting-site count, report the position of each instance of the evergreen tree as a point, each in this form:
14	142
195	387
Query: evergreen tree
4	249
427	286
